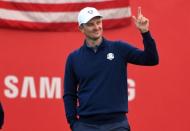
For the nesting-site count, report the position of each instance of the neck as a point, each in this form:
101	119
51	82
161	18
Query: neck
93	43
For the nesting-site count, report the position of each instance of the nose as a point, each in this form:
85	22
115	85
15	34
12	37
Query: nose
97	26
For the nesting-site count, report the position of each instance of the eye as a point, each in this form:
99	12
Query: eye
98	22
89	24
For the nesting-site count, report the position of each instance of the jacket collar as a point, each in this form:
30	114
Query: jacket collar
102	44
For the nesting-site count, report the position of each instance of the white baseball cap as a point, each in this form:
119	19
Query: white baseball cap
86	14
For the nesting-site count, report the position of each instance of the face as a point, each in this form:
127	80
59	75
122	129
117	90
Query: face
93	29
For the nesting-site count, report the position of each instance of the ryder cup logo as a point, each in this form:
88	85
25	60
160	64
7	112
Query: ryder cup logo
90	11
110	56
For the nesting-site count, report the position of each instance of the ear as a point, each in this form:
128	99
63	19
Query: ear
81	28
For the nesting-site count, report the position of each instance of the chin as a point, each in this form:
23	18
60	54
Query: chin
97	37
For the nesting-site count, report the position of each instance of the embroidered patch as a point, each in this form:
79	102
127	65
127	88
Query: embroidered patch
110	56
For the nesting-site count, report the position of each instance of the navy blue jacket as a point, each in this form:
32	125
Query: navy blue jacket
1	116
98	80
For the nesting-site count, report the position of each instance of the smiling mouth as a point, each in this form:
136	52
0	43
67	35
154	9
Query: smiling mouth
97	32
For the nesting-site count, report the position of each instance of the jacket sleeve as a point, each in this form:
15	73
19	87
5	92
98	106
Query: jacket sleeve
148	56
70	92
1	116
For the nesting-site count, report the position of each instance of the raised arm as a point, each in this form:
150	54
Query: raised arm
148	56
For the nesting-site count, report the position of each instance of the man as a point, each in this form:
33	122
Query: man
95	83
1	116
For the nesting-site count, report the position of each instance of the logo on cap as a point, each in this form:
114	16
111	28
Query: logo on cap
90	11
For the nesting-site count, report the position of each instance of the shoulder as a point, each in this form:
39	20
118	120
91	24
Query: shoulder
75	53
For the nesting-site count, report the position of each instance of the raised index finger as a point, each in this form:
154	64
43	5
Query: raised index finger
139	11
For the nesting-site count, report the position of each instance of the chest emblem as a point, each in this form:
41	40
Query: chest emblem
110	56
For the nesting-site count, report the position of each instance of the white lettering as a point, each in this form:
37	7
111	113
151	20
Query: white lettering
131	89
46	89
28	87
12	89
